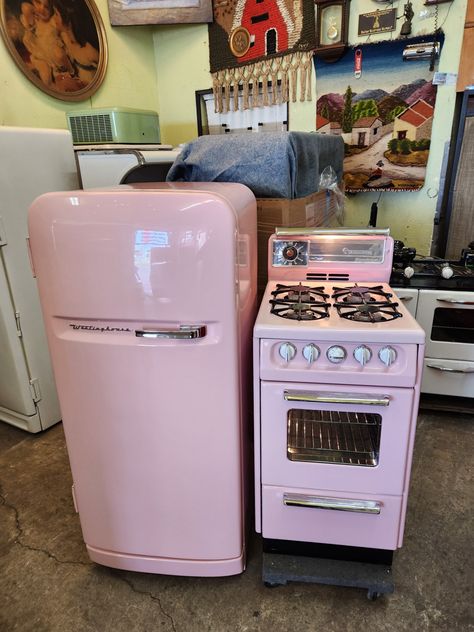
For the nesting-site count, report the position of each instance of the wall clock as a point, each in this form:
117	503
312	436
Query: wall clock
332	23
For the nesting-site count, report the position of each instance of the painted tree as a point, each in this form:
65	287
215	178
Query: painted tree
347	112
405	146
393	146
363	108
395	112
325	111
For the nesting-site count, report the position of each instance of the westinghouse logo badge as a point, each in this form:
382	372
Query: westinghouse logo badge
94	328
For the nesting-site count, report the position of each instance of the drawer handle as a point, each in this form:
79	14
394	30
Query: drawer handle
405	299
449	369
336	398
455	301
336	504
184	332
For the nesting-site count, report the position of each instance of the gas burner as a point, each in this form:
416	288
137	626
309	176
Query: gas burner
360	295
299	302
299	293
375	312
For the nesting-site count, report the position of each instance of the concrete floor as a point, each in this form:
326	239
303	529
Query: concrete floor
48	584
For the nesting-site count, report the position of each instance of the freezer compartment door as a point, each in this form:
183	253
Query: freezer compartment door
153	432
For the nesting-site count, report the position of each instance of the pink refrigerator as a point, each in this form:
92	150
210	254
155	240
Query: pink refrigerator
149	295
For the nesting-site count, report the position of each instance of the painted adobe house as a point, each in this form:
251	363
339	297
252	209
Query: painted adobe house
272	29
365	131
415	122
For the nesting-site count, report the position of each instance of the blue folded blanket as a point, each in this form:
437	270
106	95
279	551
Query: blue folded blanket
271	164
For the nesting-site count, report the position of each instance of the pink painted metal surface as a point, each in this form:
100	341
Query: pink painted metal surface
355	270
400	330
387	477
155	427
309	524
318	261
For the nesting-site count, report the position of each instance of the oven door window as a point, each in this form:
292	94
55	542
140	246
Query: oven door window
453	324
328	436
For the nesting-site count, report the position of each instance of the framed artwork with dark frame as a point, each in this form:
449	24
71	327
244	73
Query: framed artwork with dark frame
260	118
59	45
127	12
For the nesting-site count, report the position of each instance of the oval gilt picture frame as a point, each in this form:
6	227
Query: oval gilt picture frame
59	45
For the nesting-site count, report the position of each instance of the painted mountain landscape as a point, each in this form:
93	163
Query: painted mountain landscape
385	117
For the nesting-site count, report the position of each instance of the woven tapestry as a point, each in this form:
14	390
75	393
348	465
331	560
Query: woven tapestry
384	115
269	42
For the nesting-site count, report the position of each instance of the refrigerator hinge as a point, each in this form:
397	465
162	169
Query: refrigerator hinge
3	234
18	325
35	390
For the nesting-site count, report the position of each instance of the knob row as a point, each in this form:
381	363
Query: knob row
337	354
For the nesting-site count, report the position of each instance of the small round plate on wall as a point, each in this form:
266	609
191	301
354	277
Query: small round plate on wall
239	41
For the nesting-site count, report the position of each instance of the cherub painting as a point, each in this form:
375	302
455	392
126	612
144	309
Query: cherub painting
59	45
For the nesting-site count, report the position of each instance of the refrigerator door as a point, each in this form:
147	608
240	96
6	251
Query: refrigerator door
139	294
34	161
15	394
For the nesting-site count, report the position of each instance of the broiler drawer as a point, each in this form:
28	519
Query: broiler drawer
331	518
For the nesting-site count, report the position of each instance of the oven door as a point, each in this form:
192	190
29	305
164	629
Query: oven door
330	437
448	320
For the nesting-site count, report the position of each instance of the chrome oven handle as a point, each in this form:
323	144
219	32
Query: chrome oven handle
449	369
184	332
405	299
336	398
455	301
337	504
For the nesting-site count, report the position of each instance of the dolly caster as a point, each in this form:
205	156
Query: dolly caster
272	584
372	595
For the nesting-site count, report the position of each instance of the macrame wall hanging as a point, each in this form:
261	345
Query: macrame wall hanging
256	44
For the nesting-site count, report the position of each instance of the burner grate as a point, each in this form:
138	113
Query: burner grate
299	302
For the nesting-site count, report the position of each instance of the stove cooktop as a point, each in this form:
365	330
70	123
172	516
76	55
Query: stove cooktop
361	312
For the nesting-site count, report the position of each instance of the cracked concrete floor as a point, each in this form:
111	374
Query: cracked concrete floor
47	582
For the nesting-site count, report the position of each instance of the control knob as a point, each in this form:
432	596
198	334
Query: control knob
408	272
387	355
447	271
311	353
362	354
336	354
287	351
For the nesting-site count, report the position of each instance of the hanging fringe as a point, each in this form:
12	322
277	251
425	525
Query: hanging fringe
291	70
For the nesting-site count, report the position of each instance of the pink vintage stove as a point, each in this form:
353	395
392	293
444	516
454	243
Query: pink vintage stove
337	364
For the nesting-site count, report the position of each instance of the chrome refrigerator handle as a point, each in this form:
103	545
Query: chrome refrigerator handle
336	398
337	504
184	332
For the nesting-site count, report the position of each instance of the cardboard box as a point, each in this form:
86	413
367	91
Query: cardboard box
317	209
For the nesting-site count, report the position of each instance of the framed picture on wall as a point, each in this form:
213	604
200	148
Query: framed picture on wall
127	12
59	45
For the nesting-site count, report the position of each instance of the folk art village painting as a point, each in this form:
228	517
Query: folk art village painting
385	116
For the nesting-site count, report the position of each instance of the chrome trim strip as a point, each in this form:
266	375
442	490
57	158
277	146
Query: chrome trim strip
279	231
449	369
455	301
336	398
336	504
185	332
